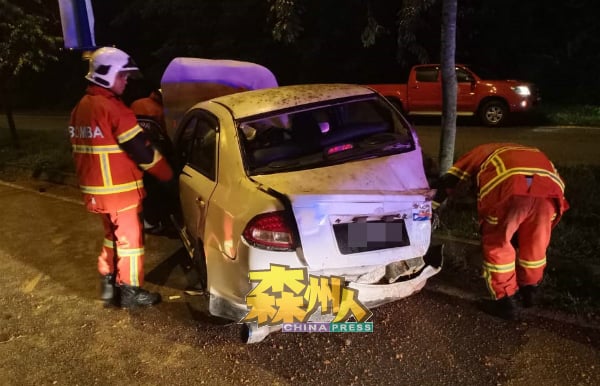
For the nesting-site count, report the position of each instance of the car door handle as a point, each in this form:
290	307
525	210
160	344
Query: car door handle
200	202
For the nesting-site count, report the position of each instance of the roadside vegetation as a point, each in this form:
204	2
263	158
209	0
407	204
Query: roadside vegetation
39	152
577	115
572	280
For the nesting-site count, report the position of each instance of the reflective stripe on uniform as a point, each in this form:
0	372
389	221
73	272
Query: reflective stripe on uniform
103	152
494	156
156	158
461	174
133	255
105	170
533	263
499	268
130	252
517	171
491	220
502	173
134	279
104	149
120	188
129	134
108	243
487	277
133	206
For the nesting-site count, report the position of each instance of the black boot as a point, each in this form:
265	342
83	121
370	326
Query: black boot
529	295
107	287
505	308
132	297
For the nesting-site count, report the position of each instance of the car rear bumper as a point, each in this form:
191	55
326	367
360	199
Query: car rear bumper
374	295
370	295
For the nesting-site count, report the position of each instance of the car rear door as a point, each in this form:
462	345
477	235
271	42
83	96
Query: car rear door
425	92
465	99
197	150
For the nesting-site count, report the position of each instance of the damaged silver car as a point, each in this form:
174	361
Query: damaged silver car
326	177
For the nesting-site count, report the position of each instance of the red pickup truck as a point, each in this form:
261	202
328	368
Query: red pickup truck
491	100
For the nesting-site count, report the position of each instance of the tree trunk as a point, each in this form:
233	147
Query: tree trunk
8	110
449	85
11	125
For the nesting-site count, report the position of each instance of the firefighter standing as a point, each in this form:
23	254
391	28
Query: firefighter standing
520	199
151	106
111	153
157	205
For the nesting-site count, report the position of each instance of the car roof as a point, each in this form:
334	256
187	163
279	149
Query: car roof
256	102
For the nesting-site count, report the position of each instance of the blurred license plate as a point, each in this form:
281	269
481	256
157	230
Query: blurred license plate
370	236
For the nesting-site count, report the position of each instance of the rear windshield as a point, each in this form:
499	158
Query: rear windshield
325	135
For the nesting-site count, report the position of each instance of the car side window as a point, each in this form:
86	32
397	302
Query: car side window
463	76
204	148
197	144
185	141
427	74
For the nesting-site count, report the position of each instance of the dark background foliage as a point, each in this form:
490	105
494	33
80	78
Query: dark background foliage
554	44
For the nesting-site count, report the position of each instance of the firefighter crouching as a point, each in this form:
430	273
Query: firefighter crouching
520	199
111	153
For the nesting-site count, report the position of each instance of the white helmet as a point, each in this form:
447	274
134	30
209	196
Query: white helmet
106	63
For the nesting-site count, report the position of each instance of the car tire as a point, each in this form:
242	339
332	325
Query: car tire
493	113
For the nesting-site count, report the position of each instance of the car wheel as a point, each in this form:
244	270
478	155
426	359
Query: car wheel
493	113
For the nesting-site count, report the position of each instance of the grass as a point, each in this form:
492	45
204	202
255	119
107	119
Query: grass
39	151
577	115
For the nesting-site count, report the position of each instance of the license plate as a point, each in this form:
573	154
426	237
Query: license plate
370	236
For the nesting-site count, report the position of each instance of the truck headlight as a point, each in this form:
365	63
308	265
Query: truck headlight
522	90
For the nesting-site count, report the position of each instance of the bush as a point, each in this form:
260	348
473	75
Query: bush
581	115
39	151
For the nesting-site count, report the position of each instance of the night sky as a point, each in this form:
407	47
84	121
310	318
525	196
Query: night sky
554	44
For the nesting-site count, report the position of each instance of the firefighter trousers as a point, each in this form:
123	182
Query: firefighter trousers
123	246
505	268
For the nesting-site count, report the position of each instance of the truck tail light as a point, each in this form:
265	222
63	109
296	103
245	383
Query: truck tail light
270	231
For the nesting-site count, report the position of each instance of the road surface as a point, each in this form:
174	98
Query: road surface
54	331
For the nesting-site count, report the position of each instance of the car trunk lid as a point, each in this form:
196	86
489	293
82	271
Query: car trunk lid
350	217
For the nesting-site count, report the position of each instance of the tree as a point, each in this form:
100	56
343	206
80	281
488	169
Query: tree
285	15
449	86
409	17
26	43
287	28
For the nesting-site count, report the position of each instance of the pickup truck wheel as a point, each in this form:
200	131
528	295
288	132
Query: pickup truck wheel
493	113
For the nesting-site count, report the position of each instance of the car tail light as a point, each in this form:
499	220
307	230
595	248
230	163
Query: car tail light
270	231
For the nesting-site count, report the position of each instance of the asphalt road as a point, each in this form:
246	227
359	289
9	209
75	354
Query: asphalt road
54	331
